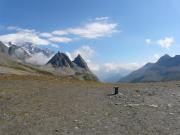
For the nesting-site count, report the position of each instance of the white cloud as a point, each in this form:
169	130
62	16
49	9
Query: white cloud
153	58
102	18
59	32
166	42
20	37
85	51
156	56
38	59
94	67
55	45
112	67
46	35
91	30
112	71
18	29
60	39
100	27
30	35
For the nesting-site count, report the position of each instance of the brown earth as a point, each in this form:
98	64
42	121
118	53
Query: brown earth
41	105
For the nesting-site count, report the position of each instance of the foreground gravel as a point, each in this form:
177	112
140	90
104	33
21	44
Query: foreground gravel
51	106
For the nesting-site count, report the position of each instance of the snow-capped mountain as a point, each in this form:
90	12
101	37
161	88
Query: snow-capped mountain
33	49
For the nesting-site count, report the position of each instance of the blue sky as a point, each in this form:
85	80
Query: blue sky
111	34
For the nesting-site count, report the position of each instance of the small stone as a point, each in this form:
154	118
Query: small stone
117	103
153	105
76	128
56	130
75	120
169	105
132	105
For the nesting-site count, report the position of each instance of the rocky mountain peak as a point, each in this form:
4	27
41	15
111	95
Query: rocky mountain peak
79	61
60	60
165	69
3	47
18	52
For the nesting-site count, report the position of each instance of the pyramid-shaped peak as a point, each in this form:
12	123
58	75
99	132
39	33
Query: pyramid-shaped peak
60	60
79	61
79	55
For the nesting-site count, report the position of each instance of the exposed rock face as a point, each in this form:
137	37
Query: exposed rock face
18	52
33	49
61	60
77	68
14	51
60	64
3	48
165	69
79	61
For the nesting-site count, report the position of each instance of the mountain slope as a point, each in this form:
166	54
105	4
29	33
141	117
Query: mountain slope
33	49
9	65
14	58
165	69
79	61
62	65
18	52
3	48
61	60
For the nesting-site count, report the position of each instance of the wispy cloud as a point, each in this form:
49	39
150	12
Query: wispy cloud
102	18
166	42
85	51
38	59
46	35
60	39
20	37
99	27
156	56
92	30
107	71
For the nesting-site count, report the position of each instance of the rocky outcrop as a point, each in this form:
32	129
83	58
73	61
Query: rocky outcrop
18	52
3	48
77	68
79	61
61	60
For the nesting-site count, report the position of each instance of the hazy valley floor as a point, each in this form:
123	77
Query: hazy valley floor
50	106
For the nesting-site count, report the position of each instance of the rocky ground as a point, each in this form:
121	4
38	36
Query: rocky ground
50	106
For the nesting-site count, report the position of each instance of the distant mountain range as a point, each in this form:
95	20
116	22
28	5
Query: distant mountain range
24	50
32	49
13	60
167	68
